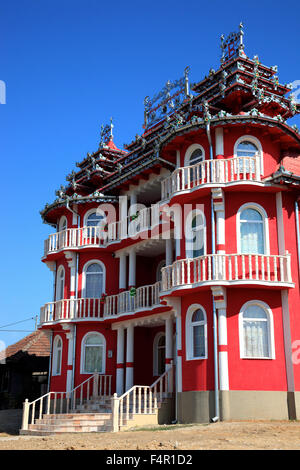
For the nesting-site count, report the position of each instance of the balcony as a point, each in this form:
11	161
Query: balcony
210	172
228	269
100	237
71	309
143	298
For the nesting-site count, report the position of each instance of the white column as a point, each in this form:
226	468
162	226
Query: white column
70	337
177	158
71	259
129	356
120	362
132	268
169	251
123	216
122	272
219	142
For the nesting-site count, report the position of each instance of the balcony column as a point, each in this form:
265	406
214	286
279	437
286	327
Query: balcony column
132	268
219	294
70	335
169	251
219	141
71	259
129	356
120	362
123	216
122	272
219	208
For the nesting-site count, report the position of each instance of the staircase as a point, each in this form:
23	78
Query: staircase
99	411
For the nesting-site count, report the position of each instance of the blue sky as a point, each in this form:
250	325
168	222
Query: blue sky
69	66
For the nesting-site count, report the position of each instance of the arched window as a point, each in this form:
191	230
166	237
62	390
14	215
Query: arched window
60	283
57	355
194	154
92	219
196	333
93	353
93	280
63	223
195	234
256	331
252	230
159	354
248	146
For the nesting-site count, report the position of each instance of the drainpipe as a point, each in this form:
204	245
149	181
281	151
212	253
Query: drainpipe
215	336
73	359
298	232
50	361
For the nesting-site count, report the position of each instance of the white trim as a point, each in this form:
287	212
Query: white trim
82	353
54	359
62	221
60	269
159	267
271	341
157	337
88	213
254	141
189	331
263	213
189	152
85	267
280	224
188	232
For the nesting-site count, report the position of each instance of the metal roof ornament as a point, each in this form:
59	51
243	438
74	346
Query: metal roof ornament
233	45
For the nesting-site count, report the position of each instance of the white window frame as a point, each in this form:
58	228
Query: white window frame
189	346
157	337
254	141
271	339
87	215
63	223
189	152
54	356
84	269
263	213
189	231
60	270
82	361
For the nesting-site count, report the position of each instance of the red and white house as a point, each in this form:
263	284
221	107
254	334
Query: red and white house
181	252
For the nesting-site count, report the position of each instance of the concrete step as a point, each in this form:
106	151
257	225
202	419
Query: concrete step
67	428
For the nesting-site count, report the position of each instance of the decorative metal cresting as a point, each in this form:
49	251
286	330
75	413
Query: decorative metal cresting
233	45
106	133
167	100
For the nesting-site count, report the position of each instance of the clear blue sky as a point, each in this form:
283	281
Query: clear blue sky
69	66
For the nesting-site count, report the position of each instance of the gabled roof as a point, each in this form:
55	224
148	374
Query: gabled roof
36	344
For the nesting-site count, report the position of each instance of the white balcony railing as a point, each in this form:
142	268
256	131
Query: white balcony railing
228	268
211	171
71	309
142	298
99	236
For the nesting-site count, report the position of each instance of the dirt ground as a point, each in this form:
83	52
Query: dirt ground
258	435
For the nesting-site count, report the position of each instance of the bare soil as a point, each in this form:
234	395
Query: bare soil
251	435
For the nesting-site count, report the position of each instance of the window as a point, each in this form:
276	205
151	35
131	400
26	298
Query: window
194	154
196	333
62	224
256	331
195	234
57	356
60	283
93	280
159	354
93	353
252	230
93	219
248	146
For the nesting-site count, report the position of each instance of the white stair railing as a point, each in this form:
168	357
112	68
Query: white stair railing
141	399
98	385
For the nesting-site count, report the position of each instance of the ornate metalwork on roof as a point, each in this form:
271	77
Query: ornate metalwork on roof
166	101
232	46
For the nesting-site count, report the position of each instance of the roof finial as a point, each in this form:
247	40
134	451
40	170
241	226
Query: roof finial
111	129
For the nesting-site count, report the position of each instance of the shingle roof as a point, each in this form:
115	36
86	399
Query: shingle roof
37	344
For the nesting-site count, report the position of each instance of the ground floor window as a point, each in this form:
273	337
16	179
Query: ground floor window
256	331
93	353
